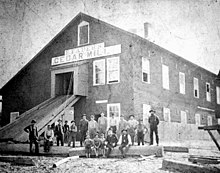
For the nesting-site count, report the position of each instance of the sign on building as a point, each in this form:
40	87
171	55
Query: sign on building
86	52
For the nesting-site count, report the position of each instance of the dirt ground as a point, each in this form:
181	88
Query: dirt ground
149	164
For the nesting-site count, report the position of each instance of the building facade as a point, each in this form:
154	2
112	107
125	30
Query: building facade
114	71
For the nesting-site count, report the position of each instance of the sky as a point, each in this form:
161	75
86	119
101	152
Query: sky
188	28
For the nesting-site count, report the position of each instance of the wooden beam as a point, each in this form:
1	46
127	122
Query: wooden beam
213	127
18	160
214	140
133	151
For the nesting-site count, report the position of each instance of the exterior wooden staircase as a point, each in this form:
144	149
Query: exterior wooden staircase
45	113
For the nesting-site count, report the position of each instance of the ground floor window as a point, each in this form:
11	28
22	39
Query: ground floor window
183	117
114	108
146	114
166	114
197	119
209	120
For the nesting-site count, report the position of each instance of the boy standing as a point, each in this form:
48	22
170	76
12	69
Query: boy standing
141	130
72	134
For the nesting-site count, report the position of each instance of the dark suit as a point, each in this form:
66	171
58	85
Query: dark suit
59	134
153	121
33	137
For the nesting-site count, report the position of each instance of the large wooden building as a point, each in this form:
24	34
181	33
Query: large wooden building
110	70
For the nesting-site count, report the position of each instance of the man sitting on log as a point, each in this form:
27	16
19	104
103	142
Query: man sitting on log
111	141
124	142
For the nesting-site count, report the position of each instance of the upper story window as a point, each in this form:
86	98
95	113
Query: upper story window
165	76
99	72
83	33
145	70
182	82
208	92
196	87
113	70
218	94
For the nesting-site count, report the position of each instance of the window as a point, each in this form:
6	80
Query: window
166	114
183	117
146	114
165	76
209	120
113	70
145	70
113	108
197	119
218	94
99	72
208	92
218	121
83	33
196	87
182	82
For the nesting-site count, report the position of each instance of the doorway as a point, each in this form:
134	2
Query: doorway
64	84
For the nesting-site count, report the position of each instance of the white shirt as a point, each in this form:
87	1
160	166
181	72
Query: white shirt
129	139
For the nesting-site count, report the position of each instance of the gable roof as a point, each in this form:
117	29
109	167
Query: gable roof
82	15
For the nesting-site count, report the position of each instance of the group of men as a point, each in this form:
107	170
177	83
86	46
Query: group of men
124	130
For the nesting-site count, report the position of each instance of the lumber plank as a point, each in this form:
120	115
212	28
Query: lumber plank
183	166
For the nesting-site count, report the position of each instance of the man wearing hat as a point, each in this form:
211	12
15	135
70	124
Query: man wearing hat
33	136
153	121
83	128
73	132
124	142
59	132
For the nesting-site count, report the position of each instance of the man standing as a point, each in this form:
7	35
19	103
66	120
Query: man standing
72	134
123	124
48	138
153	121
124	142
83	128
33	136
66	128
113	123
111	141
92	127
102	124
59	132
